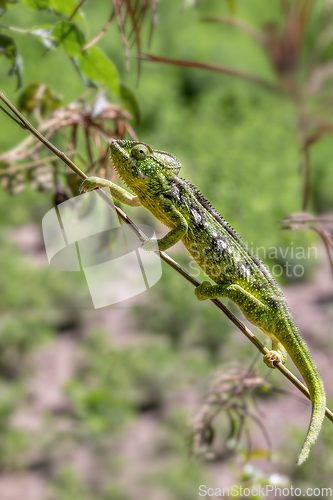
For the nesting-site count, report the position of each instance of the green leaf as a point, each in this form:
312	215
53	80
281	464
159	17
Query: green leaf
9	50
70	37
65	7
43	32
5	4
37	4
97	67
38	95
131	103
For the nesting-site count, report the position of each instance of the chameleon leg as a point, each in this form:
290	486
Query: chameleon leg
116	191
276	354
173	236
253	309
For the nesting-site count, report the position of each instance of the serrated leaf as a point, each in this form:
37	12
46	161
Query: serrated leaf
97	67
131	103
37	4
70	37
9	50
39	95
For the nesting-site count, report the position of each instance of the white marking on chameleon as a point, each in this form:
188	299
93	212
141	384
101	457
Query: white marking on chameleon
245	270
176	192
196	215
222	244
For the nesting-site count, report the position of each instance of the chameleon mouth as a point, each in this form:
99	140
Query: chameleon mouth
117	152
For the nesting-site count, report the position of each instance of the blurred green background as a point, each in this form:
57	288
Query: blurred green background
99	404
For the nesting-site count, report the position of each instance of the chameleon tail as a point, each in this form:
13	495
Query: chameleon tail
317	393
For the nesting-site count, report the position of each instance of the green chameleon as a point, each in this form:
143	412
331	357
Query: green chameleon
239	275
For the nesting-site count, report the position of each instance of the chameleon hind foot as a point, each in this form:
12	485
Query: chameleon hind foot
273	357
277	354
201	290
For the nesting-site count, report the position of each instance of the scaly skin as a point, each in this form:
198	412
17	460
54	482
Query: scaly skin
238	275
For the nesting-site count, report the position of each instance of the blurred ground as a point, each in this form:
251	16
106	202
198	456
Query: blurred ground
53	365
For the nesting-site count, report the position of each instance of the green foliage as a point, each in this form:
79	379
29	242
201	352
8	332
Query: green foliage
8	49
37	4
316	472
322	178
6	4
97	67
15	443
36	94
100	408
155	316
180	477
94	65
68	486
139	378
66	8
69	36
131	103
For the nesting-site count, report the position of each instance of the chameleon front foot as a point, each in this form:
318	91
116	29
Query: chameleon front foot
91	183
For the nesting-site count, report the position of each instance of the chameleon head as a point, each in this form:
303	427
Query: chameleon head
137	162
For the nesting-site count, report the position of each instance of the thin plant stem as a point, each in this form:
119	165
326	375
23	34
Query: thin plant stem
214	67
100	34
306	167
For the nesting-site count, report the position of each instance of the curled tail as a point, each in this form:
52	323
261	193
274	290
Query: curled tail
295	345
318	399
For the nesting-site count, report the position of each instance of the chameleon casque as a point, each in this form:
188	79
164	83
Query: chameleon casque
238	274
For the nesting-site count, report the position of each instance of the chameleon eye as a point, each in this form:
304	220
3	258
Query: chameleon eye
139	152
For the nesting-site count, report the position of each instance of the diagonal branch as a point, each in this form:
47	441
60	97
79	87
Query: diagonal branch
101	33
165	257
215	67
